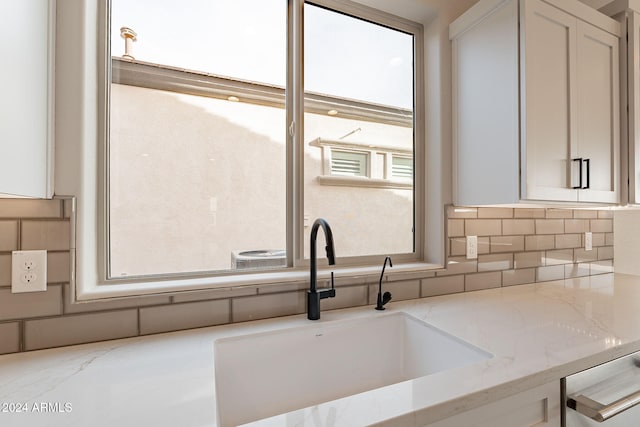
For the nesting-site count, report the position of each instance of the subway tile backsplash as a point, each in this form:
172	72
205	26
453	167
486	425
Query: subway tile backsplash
515	246
174	317
9	337
79	328
546	244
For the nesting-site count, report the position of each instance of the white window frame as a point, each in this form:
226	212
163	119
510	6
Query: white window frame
81	159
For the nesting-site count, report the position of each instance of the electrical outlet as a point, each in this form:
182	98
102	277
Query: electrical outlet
28	271
588	241
472	247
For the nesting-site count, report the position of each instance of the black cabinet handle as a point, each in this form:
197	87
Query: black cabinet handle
587	161
579	160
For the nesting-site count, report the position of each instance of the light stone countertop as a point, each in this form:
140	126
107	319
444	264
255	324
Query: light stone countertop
537	333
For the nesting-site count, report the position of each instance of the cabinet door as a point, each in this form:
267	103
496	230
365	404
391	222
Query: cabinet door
26	104
537	407
598	113
548	101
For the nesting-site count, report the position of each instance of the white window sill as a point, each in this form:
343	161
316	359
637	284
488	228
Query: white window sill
357	181
93	292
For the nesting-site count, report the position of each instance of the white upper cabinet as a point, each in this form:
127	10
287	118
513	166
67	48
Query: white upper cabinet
536	103
27	105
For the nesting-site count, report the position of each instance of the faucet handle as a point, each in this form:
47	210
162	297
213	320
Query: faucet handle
330	292
386	297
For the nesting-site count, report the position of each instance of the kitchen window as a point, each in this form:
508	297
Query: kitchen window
199	168
221	142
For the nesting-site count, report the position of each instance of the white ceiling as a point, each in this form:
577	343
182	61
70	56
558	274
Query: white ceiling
415	10
424	10
596	4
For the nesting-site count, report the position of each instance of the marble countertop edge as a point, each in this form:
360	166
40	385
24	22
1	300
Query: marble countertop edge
538	333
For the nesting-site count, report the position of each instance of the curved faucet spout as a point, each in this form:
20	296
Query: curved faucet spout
313	295
386	297
328	237
385	265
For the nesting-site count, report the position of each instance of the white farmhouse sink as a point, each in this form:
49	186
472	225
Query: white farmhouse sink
266	374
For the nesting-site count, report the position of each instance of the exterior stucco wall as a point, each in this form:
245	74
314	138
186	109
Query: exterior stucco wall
194	179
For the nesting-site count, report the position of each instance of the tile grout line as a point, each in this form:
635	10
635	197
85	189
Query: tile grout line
21	336
19	242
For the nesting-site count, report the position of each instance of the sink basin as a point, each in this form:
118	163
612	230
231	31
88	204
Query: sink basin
270	373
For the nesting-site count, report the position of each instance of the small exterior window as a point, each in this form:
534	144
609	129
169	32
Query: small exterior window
363	164
401	167
346	163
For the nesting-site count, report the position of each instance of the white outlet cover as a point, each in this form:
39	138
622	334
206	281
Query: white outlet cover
28	271
472	247
588	241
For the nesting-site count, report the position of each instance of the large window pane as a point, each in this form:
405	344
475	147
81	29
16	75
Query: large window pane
354	59
359	98
197	162
241	39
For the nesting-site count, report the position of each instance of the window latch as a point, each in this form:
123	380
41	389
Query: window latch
292	129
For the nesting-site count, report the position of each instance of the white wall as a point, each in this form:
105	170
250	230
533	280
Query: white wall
194	179
626	246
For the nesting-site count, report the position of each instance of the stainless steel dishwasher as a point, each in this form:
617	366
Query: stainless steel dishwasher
605	395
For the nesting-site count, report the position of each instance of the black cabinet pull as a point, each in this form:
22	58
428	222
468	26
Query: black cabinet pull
587	161
579	160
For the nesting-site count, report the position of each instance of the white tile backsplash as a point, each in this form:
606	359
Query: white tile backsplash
515	246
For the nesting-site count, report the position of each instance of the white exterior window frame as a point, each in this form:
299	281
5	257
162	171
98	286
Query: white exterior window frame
376	176
81	163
